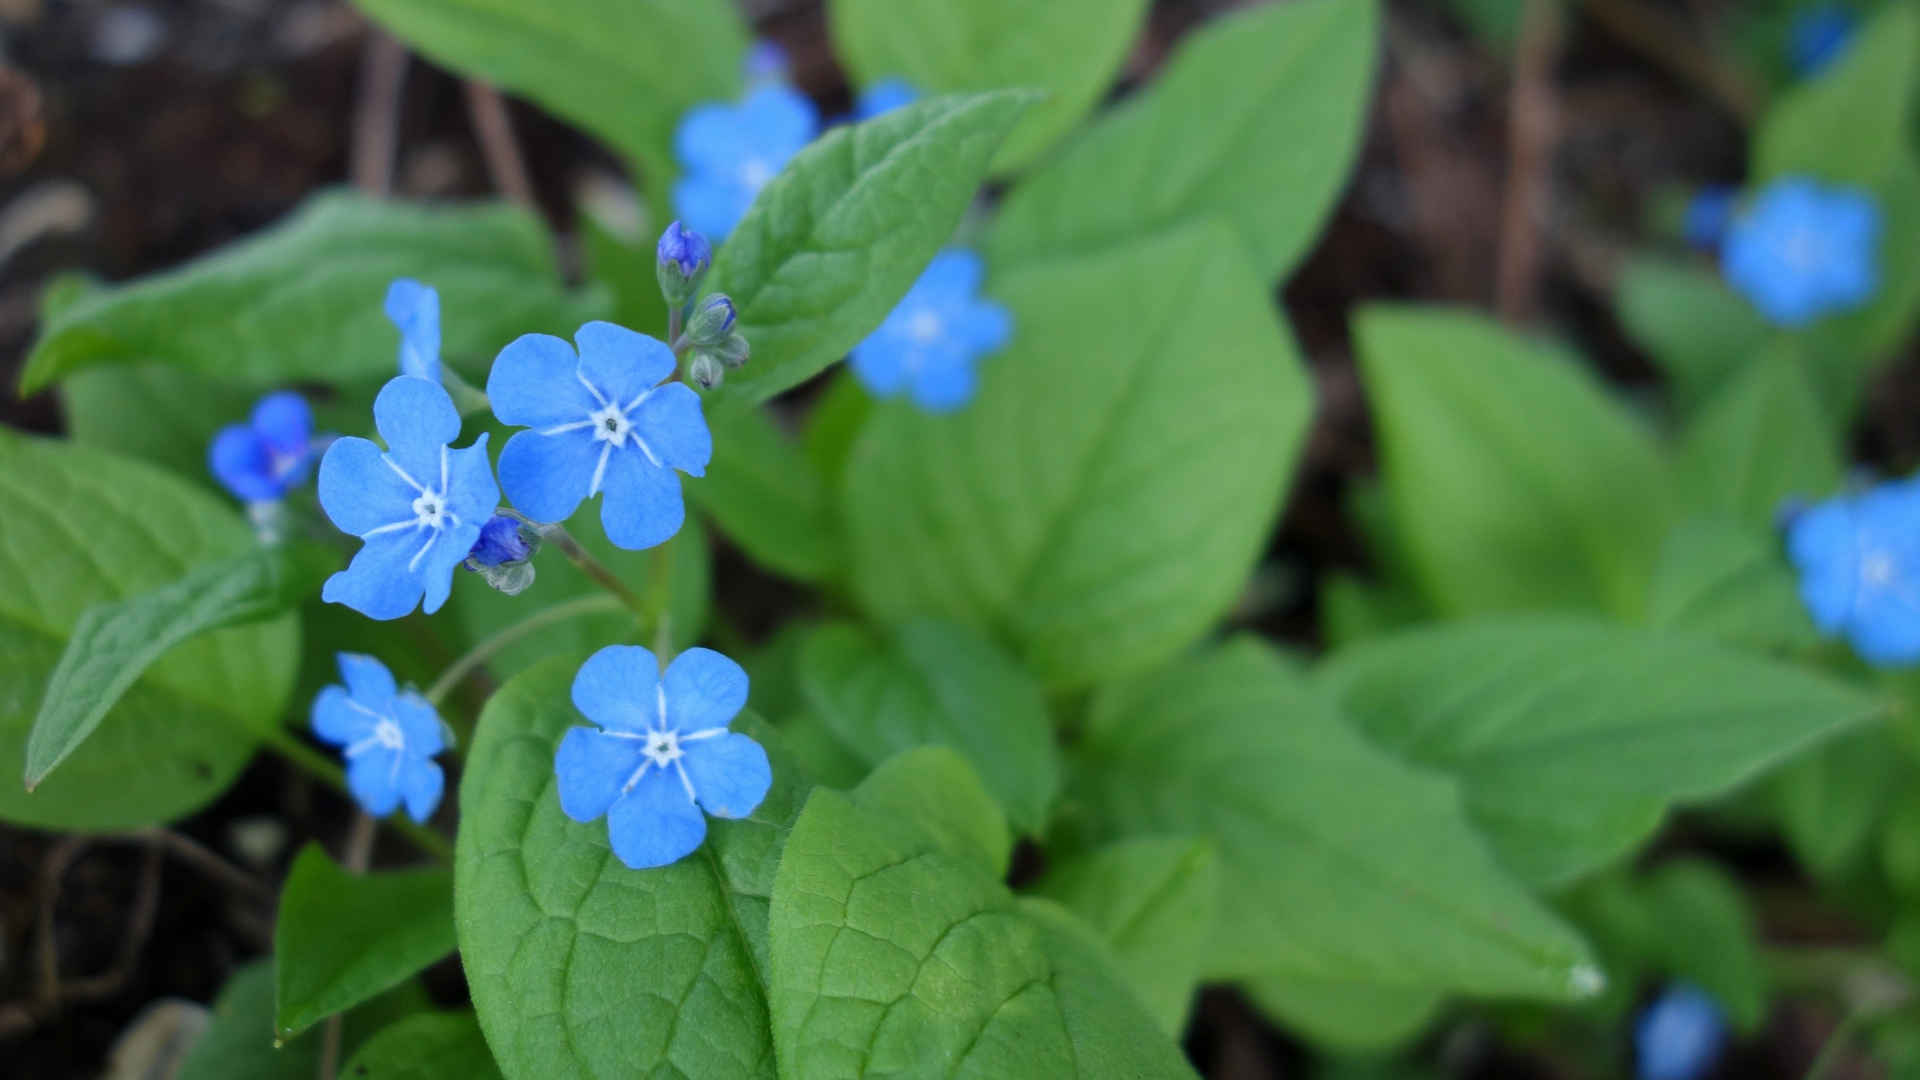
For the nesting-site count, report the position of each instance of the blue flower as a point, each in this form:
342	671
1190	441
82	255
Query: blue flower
1818	37
599	423
389	735
415	309
764	60
1680	1035
1800	251
1859	562
1708	214
418	505
884	97
501	541
928	344
262	459
729	152
662	753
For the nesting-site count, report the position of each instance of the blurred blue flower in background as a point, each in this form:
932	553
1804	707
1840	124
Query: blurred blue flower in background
884	97
1859	561
415	309
729	152
1818	37
1708	214
1680	1035
418	505
272	452
388	736
662	752
764	60
1800	250
928	345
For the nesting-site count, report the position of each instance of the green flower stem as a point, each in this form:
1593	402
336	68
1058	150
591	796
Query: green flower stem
594	604
324	769
559	537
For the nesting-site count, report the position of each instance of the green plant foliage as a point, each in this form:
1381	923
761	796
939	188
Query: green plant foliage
239	1043
767	497
425	1046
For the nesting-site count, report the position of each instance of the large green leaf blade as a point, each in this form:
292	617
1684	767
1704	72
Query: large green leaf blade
1851	124
834	241
1696	329
1255	121
239	1043
425	1046
1762	439
342	939
1337	861
1570	736
768	497
1098	505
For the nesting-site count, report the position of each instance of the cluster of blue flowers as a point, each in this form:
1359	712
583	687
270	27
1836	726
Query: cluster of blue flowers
1798	250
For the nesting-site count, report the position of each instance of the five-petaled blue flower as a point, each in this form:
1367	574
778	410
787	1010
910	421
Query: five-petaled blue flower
729	152
928	344
415	309
883	97
1818	37
1859	561
389	736
1680	1035
1800	250
599	423
419	505
662	753
262	459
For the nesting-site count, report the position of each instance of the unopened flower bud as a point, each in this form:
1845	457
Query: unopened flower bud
681	261
711	321
704	371
731	352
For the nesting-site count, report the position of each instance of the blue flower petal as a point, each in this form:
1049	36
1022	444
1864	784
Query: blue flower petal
643	506
618	688
335	720
985	327
951	275
590	767
944	387
419	725
378	583
373	777
704	690
415	310
730	774
655	823
621	364
779	119
883	97
708	141
535	383
359	492
436	568
670	421
471	492
367	679
417	419
877	364
421	784
711	205
238	459
546	476
284	423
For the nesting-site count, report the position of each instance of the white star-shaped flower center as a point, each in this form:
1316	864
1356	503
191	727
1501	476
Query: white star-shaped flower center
610	424
430	508
1801	248
1876	569
385	734
754	174
925	327
663	747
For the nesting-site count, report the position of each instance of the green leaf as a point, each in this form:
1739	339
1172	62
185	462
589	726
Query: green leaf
621	70
1337	862
1153	900
1571	737
1515	482
933	683
1761	439
1071	49
1256	121
580	967
1730	582
239	1044
1851	124
1099	505
936	789
342	939
1847	350
425	1046
1342	1015
86	529
1830	801
114	643
893	958
834	241
303	298
767	497
1695	328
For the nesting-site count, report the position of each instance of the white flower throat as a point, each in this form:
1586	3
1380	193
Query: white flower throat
431	510
611	424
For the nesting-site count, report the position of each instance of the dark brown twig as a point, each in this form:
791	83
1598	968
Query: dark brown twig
494	128
376	118
1532	129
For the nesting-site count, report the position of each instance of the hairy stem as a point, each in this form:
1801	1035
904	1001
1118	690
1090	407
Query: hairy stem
557	535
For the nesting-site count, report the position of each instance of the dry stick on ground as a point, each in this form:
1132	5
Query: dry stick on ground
494	128
1532	128
376	117
1666	40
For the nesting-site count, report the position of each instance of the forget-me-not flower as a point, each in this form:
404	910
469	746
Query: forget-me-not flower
662	753
764	60
1858	556
1800	250
418	505
883	97
929	343
260	460
389	738
729	152
1680	1035
599	422
1818	37
415	309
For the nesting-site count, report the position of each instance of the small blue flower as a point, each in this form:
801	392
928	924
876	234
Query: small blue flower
1819	36
729	152
415	309
928	344
884	97
260	460
765	60
389	736
662	753
1680	1035
501	541
1709	213
600	422
418	505
1799	251
1859	561
687	250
